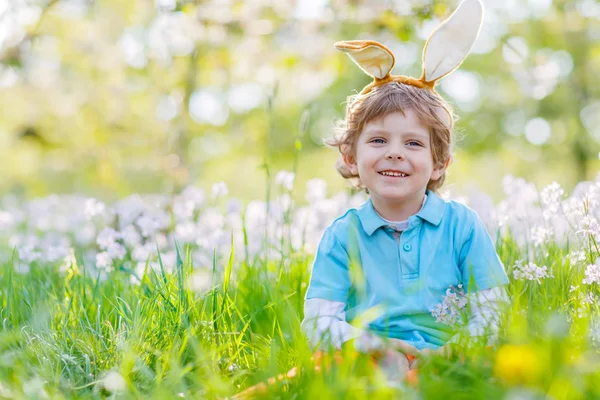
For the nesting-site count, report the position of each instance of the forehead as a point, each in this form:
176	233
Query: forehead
397	122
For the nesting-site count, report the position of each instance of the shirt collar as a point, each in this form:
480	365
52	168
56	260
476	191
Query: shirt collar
432	212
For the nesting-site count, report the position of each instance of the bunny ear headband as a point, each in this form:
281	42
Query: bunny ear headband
445	50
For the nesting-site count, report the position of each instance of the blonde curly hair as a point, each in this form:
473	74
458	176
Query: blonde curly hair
433	112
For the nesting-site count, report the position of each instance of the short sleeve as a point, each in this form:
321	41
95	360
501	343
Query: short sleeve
330	278
479	263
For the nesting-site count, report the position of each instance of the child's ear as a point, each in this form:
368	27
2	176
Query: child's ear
439	170
350	162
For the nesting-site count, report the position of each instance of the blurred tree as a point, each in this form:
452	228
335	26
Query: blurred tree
147	95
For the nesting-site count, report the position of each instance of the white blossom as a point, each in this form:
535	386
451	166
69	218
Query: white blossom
540	235
131	236
28	254
530	271
148	224
114	382
186	232
200	281
592	273
106	237
103	260
93	207
285	179
450	310
116	251
183	208
316	190
219	189
551	198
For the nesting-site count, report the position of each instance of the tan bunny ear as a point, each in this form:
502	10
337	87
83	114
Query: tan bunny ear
372	57
451	42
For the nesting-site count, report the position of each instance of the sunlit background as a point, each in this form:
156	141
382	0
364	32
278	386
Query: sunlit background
113	97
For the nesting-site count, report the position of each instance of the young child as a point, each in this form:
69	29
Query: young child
395	257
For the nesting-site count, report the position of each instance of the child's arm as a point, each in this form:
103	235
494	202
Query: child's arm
484	317
486	307
326	297
325	320
484	279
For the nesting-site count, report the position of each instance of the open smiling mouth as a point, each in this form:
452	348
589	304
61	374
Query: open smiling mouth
393	174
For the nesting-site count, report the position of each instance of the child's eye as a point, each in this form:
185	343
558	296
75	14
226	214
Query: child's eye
412	143
378	141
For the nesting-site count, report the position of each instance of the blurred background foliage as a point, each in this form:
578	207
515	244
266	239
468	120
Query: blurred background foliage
110	97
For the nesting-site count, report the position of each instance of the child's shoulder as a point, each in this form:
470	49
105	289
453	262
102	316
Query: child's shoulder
460	217
460	211
344	222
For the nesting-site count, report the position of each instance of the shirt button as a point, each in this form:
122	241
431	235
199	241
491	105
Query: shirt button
407	247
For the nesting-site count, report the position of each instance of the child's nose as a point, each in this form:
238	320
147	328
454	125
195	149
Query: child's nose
395	154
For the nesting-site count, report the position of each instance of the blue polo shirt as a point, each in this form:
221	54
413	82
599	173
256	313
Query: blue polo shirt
364	263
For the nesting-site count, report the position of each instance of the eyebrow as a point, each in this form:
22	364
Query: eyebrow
418	135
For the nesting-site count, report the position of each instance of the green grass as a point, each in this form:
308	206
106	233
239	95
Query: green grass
63	331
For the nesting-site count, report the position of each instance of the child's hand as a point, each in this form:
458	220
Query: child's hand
403	347
394	365
373	344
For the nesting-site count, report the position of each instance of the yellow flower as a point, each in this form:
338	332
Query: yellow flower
518	364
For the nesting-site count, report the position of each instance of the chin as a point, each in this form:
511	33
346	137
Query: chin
393	196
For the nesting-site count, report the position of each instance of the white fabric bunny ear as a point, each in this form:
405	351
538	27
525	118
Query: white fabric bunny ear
451	42
373	58
445	50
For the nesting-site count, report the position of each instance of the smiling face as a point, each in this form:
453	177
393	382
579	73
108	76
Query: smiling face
393	159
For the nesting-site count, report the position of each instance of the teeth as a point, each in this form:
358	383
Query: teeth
387	173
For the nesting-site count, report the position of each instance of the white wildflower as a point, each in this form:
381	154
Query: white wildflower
234	206
540	235
131	236
200	281
211	220
55	253
316	189
69	261
93	207
194	194
573	288
161	240
591	226
285	179
592	273
148	225
85	234
219	189
107	237
186	232
29	254
7	221
142	253
285	202
577	256
34	388
103	260
590	299
114	382
530	271
129	209
116	251
450	310
169	260
551	198
183	209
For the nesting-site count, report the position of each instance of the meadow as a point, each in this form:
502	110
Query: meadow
199	296
197	291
